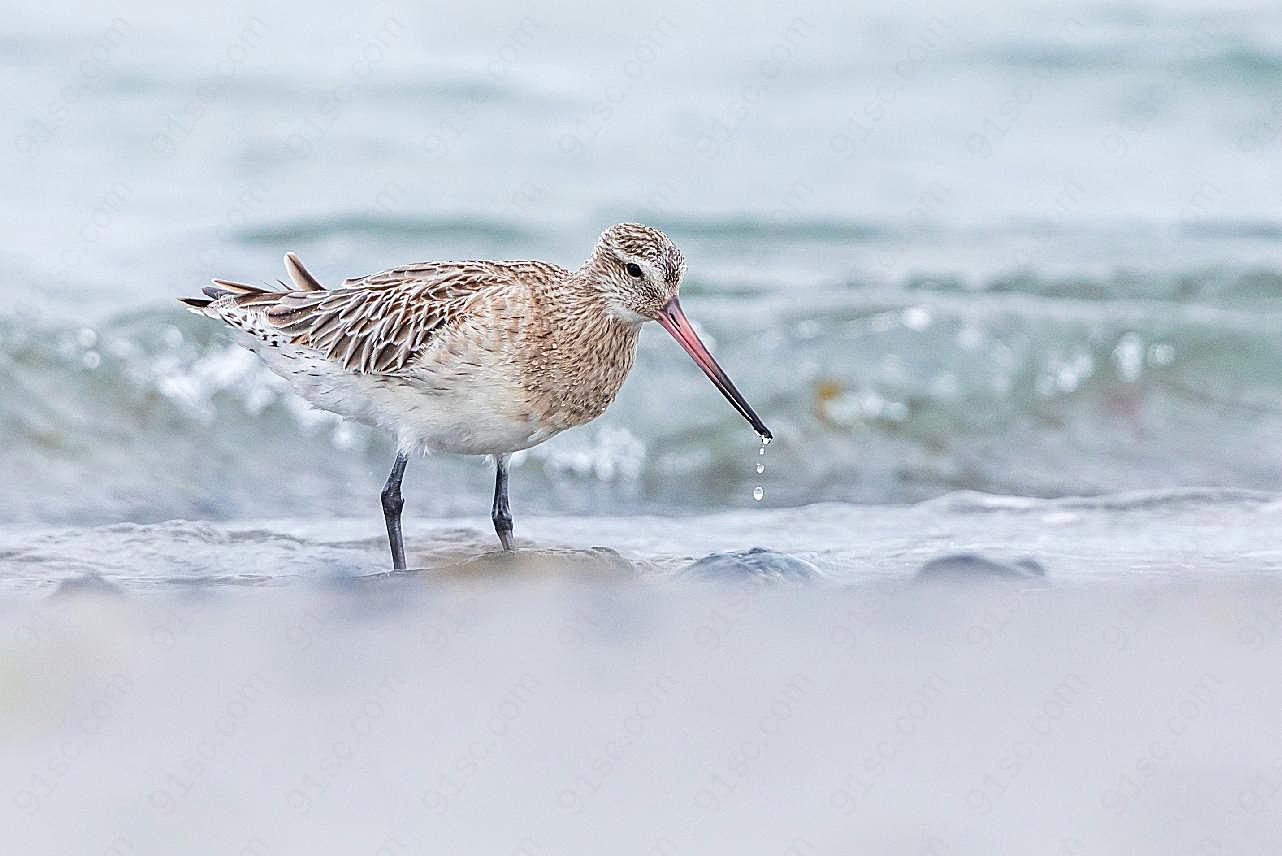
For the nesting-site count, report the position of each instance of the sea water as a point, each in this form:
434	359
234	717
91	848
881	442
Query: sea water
921	292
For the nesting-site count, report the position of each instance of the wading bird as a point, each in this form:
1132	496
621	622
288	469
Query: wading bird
472	357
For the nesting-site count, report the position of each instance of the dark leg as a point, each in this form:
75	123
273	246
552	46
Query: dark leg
501	515
392	505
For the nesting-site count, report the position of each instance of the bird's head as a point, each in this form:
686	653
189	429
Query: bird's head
638	270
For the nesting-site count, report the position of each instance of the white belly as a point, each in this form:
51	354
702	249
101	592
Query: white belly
470	418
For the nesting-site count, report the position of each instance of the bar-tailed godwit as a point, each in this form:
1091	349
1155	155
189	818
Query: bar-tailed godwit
473	357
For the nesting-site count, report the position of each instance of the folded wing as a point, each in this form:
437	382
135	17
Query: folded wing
375	324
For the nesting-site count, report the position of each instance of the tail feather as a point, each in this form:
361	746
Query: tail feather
237	287
246	296
300	275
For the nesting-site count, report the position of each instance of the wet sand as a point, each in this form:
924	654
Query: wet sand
564	703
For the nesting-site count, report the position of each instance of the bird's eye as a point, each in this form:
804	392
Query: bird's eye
634	269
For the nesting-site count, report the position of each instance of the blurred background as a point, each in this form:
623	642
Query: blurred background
968	261
1026	249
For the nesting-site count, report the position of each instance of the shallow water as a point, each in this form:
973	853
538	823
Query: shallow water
1175	535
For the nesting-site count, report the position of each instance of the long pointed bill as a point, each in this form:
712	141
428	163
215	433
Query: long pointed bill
675	322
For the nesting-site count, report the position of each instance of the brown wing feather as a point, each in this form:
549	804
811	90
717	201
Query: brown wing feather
377	324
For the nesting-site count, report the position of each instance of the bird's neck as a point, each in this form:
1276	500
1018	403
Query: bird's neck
585	349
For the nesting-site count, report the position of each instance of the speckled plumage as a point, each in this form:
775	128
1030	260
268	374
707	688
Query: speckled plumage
542	345
472	357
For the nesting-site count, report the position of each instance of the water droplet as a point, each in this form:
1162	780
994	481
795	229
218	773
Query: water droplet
759	492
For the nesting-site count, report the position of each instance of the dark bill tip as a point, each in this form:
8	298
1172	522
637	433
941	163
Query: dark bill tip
674	320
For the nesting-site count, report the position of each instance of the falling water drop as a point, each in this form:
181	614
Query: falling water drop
759	492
